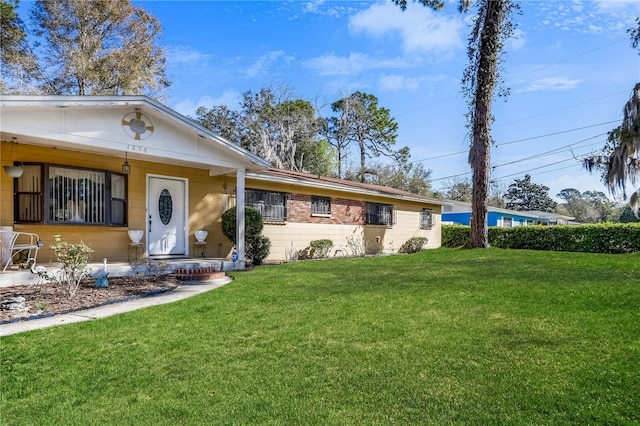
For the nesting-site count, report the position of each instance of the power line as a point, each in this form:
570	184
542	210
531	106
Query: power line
573	57
554	151
521	172
556	133
539	173
563	108
535	168
452	176
518	140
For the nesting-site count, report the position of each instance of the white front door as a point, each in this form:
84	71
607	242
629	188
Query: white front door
166	211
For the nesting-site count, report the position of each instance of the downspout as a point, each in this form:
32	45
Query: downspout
240	176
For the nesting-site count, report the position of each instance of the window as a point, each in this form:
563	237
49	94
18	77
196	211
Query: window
320	205
271	205
65	195
507	222
379	214
426	219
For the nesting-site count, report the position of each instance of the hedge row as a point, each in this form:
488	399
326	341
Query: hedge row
601	238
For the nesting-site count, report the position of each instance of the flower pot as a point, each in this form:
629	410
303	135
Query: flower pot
136	235
201	235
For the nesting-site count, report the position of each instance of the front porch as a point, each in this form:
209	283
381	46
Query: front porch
186	269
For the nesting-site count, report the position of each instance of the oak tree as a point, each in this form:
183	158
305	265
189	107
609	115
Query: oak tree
619	162
98	47
526	195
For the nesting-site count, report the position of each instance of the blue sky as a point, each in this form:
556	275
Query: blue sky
570	72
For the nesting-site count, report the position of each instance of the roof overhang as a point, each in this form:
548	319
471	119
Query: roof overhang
343	186
95	124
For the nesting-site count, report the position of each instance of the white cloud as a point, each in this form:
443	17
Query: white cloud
419	28
615	6
265	62
395	82
355	63
178	55
398	82
332	9
518	40
230	97
551	84
593	17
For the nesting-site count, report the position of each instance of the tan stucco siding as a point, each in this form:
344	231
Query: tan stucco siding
205	202
291	237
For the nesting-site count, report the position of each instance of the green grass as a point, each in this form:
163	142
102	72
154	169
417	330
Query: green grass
441	337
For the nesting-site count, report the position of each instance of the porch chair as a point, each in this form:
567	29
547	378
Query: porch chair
15	242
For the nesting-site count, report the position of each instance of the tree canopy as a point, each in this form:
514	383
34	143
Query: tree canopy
526	195
619	161
361	121
587	206
91	47
286	131
274	124
17	62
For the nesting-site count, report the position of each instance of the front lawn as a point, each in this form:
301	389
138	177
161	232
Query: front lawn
441	337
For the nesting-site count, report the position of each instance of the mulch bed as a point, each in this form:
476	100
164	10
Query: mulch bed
48	299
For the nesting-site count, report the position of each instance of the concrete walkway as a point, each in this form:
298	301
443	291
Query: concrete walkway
181	292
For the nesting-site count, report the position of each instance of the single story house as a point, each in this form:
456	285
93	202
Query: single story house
300	207
93	168
459	213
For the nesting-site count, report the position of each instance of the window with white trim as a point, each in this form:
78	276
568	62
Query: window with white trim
271	205
320	205
55	194
426	219
507	222
379	214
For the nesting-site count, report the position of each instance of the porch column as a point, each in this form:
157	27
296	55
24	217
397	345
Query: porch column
240	215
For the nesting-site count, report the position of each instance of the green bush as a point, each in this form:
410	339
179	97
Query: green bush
592	238
321	248
455	235
257	246
413	245
252	223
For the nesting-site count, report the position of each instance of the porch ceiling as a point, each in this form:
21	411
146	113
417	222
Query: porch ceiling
20	139
103	125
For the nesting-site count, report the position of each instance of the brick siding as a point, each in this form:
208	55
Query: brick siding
343	211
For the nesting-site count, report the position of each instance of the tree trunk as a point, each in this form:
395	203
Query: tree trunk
479	155
362	159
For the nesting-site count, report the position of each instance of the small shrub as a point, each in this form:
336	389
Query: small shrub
257	246
321	248
306	253
413	245
73	259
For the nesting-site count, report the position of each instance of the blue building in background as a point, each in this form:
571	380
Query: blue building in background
459	213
